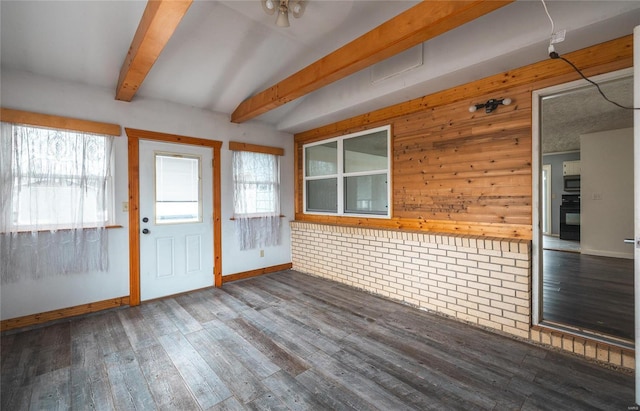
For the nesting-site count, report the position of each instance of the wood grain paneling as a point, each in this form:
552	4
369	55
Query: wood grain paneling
460	172
291	341
453	165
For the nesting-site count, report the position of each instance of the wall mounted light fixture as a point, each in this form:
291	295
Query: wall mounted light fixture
491	104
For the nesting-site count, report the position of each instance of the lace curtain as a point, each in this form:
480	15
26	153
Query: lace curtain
54	202
256	199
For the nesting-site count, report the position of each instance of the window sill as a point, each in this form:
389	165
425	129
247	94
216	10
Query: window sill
109	227
251	218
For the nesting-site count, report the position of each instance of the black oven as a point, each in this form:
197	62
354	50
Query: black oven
570	217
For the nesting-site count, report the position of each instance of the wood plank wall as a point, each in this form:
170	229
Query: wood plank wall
460	172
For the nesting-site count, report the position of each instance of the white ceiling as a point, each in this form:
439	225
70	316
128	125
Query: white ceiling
567	115
224	51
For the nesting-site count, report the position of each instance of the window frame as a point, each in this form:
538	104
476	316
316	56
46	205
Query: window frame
28	118
341	175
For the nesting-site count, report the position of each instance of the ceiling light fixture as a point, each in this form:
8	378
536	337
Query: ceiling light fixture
490	105
283	7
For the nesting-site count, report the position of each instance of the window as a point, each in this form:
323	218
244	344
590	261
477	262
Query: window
256	198
349	175
178	189
57	179
256	179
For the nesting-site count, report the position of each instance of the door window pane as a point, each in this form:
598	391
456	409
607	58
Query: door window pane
178	190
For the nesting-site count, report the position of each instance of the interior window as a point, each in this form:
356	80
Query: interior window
349	175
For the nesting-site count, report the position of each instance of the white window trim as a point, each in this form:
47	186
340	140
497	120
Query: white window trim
340	176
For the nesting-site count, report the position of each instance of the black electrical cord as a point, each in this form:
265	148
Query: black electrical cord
555	55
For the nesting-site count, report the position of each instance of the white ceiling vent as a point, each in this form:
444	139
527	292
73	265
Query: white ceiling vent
398	64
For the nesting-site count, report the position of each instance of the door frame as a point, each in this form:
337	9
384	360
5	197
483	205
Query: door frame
134	137
536	170
636	207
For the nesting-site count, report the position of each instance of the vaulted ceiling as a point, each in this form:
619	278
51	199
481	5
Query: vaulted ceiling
224	52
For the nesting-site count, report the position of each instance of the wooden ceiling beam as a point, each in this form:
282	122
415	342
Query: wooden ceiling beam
420	23
158	22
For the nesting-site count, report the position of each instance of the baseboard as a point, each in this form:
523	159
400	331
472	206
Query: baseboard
254	273
40	318
605	253
35	319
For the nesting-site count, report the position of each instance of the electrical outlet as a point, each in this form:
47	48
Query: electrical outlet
125	206
558	36
261	253
596	196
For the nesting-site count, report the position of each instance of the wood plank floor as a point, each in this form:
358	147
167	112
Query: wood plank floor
287	341
589	292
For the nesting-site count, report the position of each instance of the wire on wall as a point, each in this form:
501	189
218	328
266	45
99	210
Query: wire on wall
554	55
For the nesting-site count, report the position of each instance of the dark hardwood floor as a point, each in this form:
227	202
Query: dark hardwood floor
290	341
589	292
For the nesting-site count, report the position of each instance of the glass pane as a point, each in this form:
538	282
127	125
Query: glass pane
321	160
573	218
322	195
545	189
366	194
66	200
177	189
366	153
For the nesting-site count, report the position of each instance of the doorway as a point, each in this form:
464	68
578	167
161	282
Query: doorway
176	208
180	145
583	271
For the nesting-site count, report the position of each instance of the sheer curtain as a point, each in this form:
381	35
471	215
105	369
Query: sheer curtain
54	202
256	199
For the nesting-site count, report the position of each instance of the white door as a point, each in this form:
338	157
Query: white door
176	218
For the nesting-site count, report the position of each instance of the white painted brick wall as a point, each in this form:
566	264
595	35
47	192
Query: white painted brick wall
473	279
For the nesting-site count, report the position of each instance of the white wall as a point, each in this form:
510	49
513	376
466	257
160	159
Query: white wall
24	91
606	193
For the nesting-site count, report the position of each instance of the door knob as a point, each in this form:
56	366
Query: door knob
145	231
145	220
